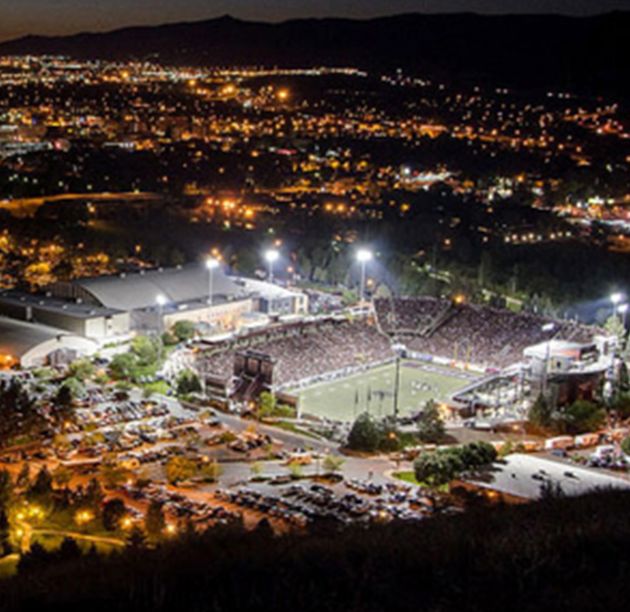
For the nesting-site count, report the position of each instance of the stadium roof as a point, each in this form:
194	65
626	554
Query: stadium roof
139	290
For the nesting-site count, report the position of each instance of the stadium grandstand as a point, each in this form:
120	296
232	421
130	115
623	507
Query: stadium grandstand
305	351
485	336
481	338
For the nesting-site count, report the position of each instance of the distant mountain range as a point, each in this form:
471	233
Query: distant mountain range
531	51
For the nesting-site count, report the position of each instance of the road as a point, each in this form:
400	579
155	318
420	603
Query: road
26	207
234	472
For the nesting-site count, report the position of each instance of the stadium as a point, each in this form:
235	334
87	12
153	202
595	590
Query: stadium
392	357
387	357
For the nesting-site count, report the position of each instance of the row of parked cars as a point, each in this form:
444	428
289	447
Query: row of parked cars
301	505
182	507
115	413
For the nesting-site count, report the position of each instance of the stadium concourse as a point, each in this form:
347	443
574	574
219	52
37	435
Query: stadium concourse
475	337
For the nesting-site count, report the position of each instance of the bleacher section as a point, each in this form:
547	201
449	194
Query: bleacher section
306	350
481	335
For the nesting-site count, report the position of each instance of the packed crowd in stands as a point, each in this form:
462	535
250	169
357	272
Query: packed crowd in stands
475	334
479	335
306	350
405	314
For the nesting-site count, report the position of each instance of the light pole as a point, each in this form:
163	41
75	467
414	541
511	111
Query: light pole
397	388
622	309
271	256
547	327
160	301
211	265
364	256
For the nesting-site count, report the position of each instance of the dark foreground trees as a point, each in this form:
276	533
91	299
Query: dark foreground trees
559	554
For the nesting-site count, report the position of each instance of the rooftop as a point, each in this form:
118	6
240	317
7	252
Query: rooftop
520	475
18	338
139	290
52	304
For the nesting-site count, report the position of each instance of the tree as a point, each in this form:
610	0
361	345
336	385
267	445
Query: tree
540	412
154	521
180	468
94	495
123	366
295	470
137	538
19	414
211	471
24	477
389	437
62	476
442	466
332	464
266	405
6	488
146	349
475	454
41	489
5	532
583	416
184	330
614	326
624	378
68	550
188	382
81	369
112	475
435	469
364	435
430	423
64	397
625	446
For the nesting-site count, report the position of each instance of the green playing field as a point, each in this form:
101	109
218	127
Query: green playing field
373	391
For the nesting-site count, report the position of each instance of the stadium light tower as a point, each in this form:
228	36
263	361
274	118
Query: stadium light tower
547	328
271	256
616	299
211	265
622	309
364	256
160	301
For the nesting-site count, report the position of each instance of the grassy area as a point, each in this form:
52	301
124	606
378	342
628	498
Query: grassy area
410	478
373	391
157	387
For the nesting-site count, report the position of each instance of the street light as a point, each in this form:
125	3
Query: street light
364	256
211	265
271	256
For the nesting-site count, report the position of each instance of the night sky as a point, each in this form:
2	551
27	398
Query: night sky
18	17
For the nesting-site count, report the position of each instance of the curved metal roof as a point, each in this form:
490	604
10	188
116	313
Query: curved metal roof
139	290
18	339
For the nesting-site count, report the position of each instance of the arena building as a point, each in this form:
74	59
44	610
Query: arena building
110	308
29	345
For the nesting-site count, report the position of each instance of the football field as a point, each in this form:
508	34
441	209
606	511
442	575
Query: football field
373	391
